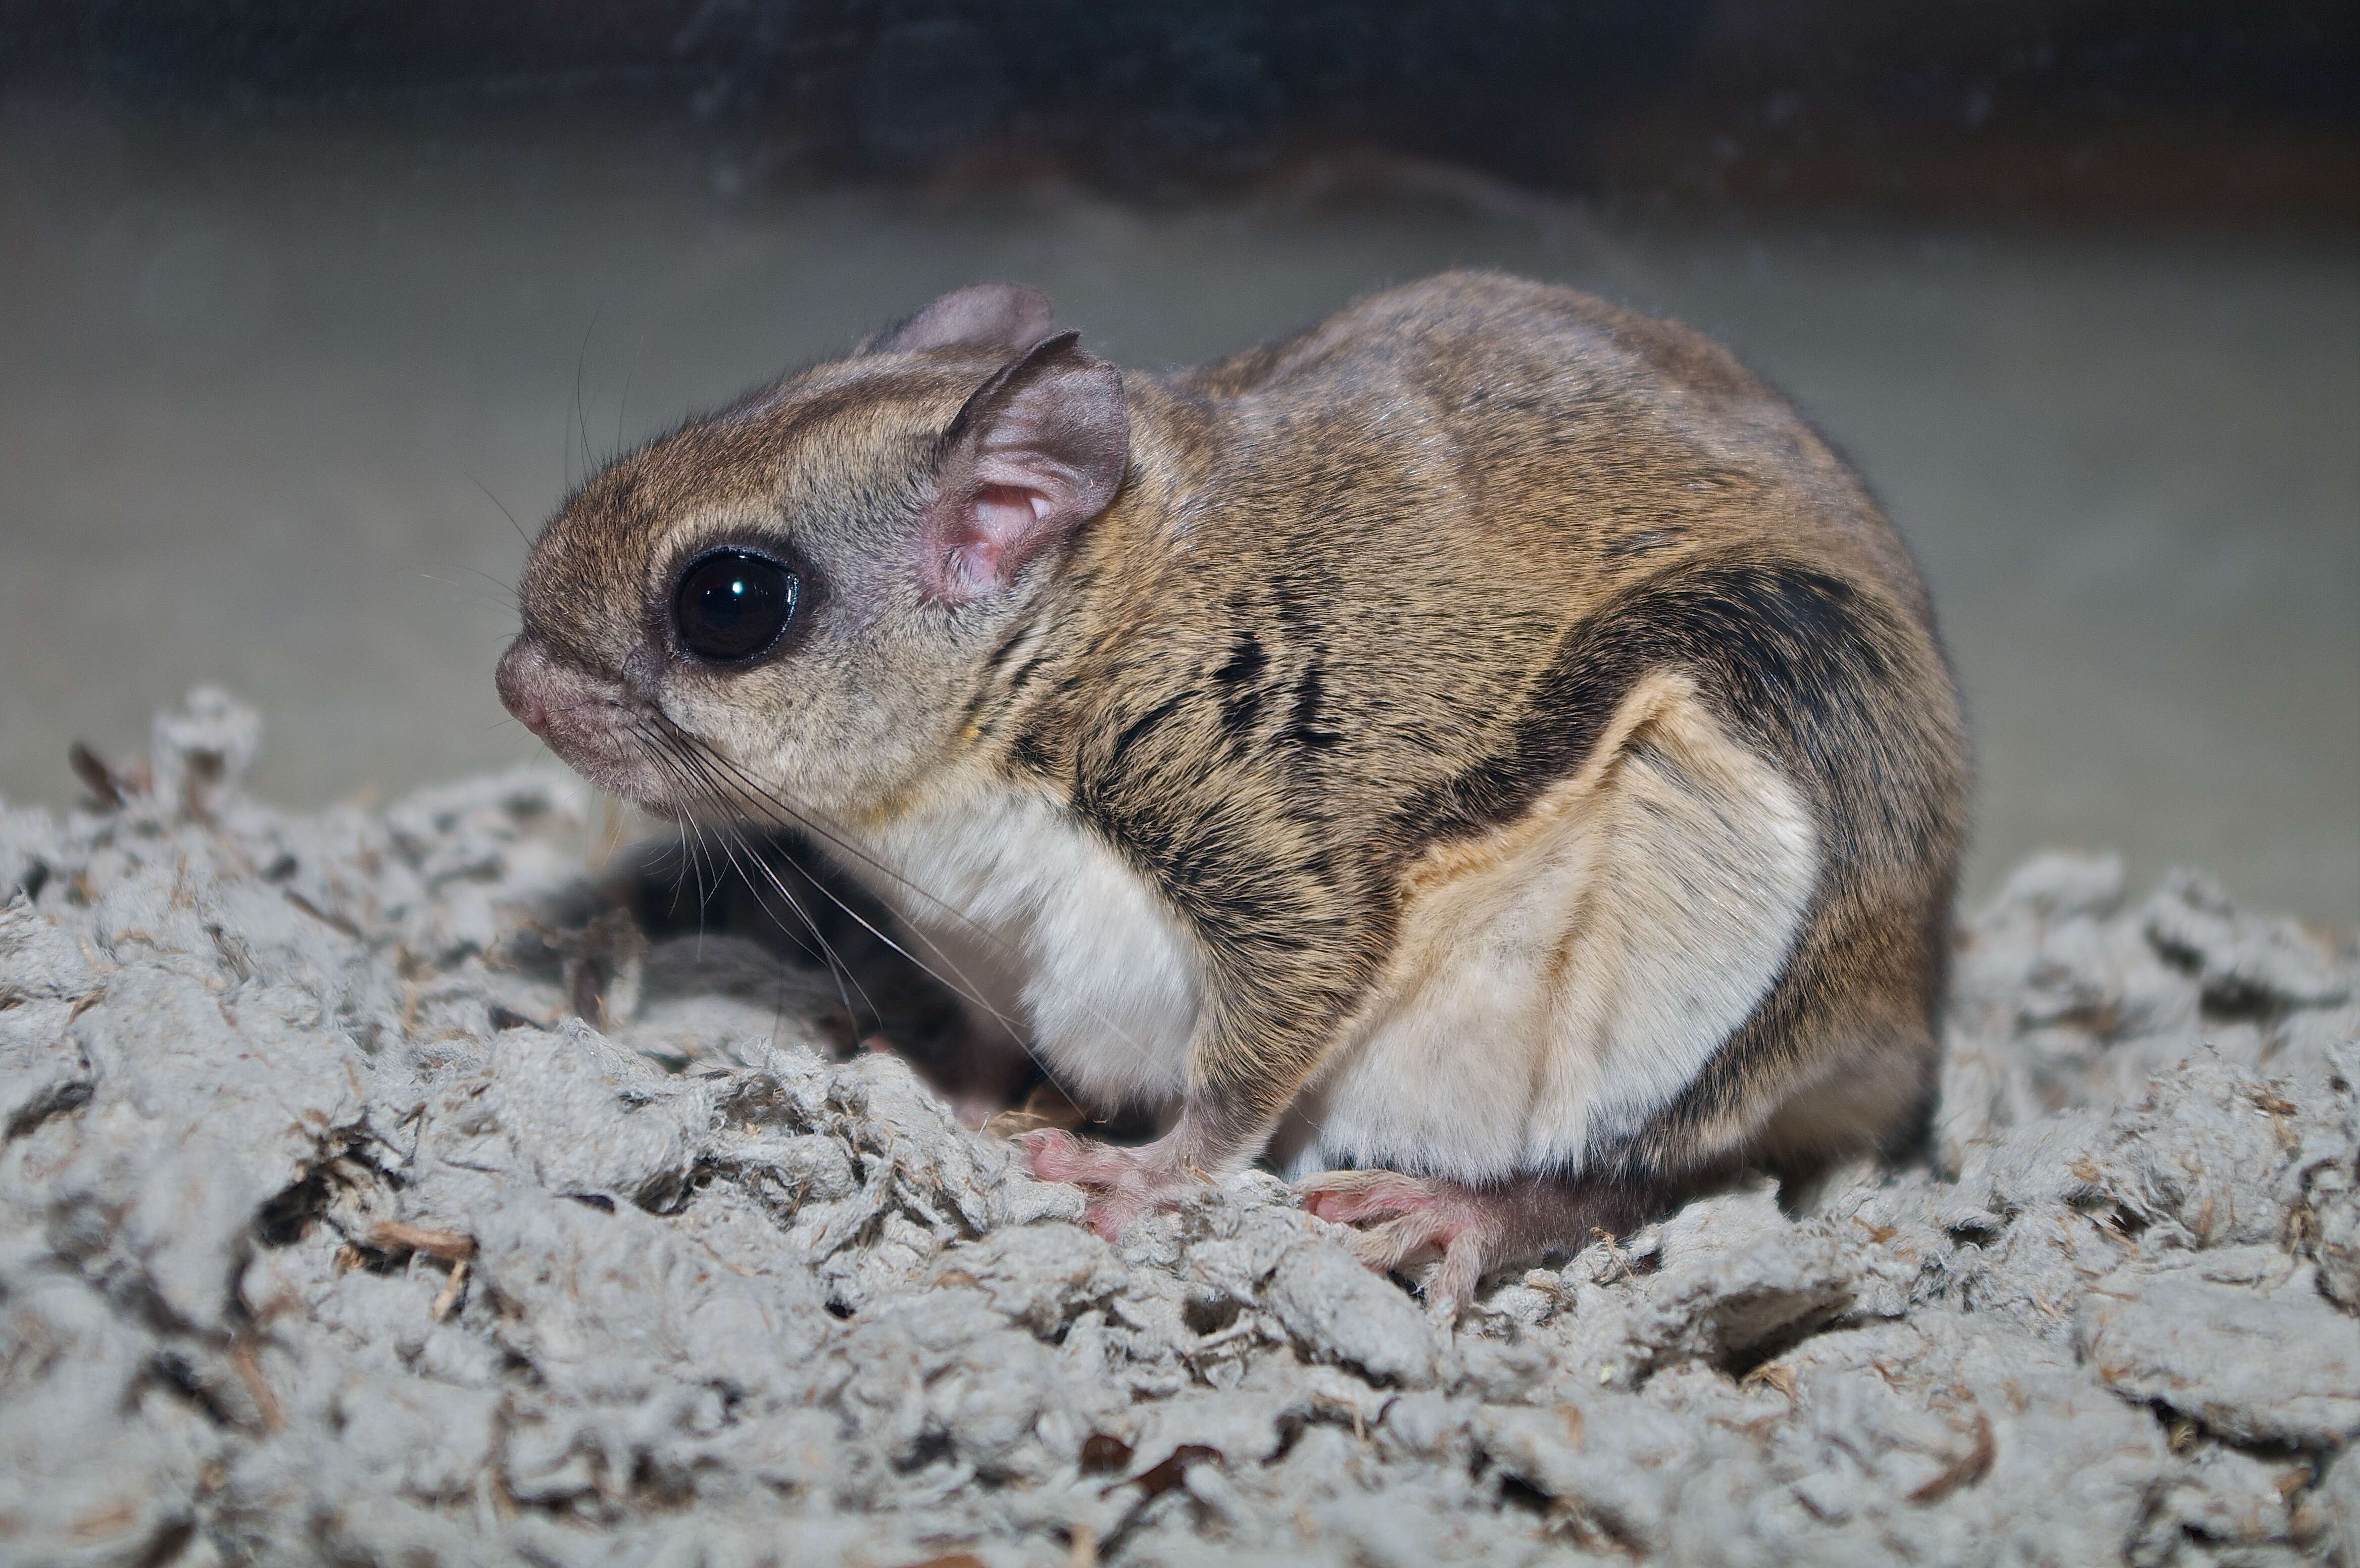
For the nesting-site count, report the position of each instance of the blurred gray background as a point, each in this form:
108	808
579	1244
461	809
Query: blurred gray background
291	311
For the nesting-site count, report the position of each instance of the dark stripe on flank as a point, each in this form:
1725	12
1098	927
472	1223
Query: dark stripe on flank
1029	751
1242	691
1303	719
1144	723
1785	650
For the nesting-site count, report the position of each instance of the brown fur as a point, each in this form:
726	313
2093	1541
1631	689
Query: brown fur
1364	599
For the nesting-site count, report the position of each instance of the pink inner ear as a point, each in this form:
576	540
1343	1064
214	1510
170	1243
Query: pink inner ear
994	520
1037	451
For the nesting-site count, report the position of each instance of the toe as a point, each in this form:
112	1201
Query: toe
1112	1215
1454	1280
1346	1197
1336	1208
1400	1242
1378	1250
1053	1154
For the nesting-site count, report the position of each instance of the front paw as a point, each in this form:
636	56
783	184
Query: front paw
1123	1183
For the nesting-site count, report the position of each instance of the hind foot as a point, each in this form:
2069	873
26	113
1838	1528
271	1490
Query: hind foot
1404	1220
1400	1222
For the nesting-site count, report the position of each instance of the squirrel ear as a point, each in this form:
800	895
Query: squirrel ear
1003	317
1038	450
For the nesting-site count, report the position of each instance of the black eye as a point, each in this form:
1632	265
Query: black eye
731	604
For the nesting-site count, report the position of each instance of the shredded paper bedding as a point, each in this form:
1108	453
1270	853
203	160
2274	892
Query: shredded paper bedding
331	1230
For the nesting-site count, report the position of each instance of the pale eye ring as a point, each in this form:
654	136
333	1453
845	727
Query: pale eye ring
732	606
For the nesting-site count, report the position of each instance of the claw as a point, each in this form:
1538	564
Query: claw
1404	1220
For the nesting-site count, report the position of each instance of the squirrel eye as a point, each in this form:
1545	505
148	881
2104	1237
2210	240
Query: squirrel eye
731	606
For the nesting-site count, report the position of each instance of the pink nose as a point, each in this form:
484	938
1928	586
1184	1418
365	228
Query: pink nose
522	670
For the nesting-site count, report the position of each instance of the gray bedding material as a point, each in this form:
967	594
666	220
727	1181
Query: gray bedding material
327	1233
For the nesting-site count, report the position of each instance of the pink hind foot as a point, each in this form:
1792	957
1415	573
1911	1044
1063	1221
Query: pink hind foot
1401	1222
1123	1183
1404	1220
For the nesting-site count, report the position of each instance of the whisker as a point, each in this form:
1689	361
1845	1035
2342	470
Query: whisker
469	590
811	823
630	371
648	751
504	510
698	858
582	359
708	763
963	987
507	589
680	881
704	897
837	967
683	767
728	787
746	785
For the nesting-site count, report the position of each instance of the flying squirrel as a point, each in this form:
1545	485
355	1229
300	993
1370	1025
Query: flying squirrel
1483	752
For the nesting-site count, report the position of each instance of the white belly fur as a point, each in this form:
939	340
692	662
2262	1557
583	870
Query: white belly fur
1057	931
1552	985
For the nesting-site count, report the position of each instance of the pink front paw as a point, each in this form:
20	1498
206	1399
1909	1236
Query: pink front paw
1056	1154
1123	1183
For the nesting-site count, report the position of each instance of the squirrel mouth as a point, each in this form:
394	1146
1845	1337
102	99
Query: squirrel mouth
593	728
603	747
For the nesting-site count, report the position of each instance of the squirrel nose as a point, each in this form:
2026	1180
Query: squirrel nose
522	670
